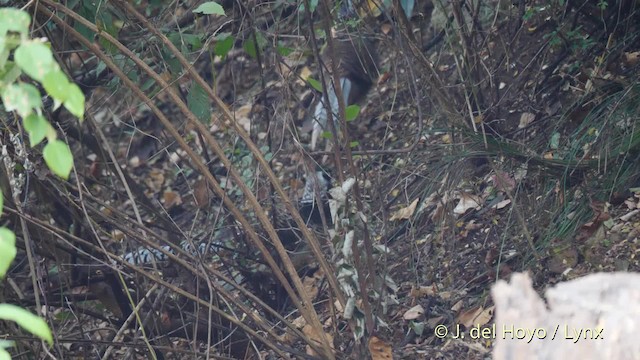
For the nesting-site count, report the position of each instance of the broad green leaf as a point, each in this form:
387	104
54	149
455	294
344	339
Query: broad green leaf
4	355
4	55
326	135
223	46
57	85
314	84
14	20
284	51
351	112
28	321
75	101
194	41
251	48
210	8
22	98
4	344
353	144
198	102
37	127
9	74
7	249
35	59
58	157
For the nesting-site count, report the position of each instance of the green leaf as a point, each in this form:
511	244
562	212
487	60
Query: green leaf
315	84
210	8
351	112
75	101
58	157
198	102
9	74
284	51
22	98
4	355
35	59
56	84
7	249
353	144
313	4
194	41
14	20
326	135
223	46
251	48
37	127
28	321
554	143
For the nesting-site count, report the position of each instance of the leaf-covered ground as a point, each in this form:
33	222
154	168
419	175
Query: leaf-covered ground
498	138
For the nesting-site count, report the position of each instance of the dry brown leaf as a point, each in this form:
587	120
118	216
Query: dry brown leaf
155	180
413	313
314	336
526	119
201	193
242	117
468	318
117	235
632	57
309	284
503	181
423	291
434	321
386	28
502	204
384	78
379	349
405	213
457	306
484	317
305	73
467	201
562	259
438	213
299	322
472	225
171	198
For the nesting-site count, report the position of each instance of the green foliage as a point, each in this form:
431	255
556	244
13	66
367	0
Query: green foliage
210	8
27	321
7	249
351	112
37	127
223	45
251	47
315	84
58	157
575	39
34	58
313	4
198	102
603	5
284	51
14	20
